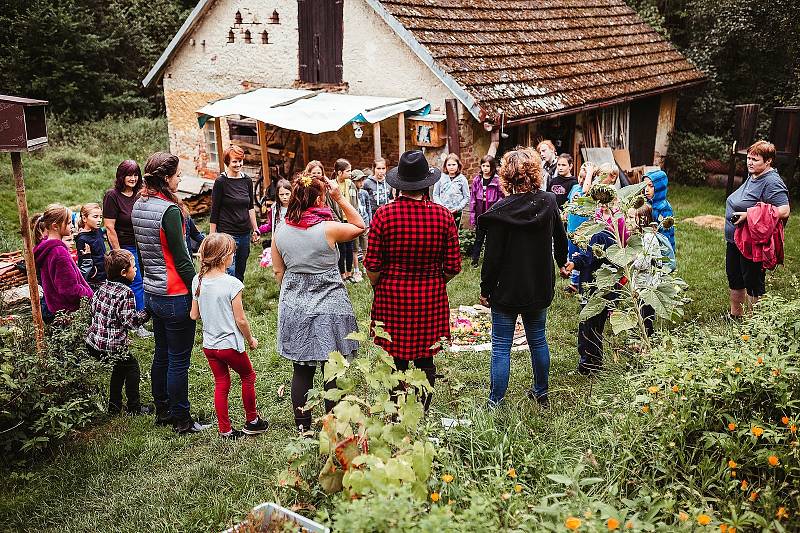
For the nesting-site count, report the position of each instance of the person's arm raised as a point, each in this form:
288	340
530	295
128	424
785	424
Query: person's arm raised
343	231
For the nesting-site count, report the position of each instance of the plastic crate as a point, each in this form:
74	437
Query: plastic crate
269	512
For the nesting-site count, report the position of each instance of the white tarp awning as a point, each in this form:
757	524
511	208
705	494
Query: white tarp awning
310	111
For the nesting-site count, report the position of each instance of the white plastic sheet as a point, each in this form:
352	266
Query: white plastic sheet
317	113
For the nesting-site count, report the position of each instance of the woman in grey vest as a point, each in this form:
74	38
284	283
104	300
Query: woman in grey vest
167	271
314	310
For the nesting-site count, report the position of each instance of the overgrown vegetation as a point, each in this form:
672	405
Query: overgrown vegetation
687	151
44	398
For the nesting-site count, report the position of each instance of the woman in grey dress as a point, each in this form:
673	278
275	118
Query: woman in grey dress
314	310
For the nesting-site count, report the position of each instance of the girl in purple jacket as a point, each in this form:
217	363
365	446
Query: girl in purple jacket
62	282
485	191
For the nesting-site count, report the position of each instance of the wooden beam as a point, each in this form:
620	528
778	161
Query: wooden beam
30	264
453	140
262	141
376	139
304	140
401	132
220	149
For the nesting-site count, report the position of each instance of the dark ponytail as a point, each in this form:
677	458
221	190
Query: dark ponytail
159	167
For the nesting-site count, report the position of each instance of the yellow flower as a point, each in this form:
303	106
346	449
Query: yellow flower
785	420
572	523
450	501
723	528
757	431
645	408
733	473
703	519
675	388
731	426
518	488
760	361
776	372
447	478
629	524
683	517
773	460
781	513
512	473
435	497
744	484
732	464
753	496
745	338
738	369
653	389
793	428
612	524
306	180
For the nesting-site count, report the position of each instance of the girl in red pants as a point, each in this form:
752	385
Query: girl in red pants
217	299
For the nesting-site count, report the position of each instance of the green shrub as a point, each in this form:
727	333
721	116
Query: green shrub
687	151
70	160
466	240
44	399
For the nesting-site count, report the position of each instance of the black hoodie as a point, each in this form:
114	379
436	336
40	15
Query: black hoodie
523	231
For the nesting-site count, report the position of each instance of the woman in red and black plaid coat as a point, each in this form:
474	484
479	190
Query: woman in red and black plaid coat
413	252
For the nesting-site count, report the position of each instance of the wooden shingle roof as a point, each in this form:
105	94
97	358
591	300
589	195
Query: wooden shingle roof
541	57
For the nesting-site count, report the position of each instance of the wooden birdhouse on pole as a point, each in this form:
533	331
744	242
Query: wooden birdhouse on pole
23	128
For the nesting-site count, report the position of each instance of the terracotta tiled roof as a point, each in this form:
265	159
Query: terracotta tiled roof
541	57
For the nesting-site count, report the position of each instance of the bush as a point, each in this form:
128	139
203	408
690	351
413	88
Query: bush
466	240
687	151
70	160
44	399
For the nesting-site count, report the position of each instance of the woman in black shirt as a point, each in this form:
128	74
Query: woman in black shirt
232	208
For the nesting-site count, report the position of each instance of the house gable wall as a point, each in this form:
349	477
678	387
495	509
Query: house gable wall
375	62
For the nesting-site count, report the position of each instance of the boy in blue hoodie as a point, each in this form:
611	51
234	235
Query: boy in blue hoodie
590	331
655	190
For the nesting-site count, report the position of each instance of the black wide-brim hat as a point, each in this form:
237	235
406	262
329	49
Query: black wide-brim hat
412	172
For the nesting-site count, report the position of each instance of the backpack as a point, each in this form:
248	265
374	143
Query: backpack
667	253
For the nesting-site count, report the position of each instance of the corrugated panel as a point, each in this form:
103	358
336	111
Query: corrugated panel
535	57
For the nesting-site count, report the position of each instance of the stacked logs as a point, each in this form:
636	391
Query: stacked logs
11	277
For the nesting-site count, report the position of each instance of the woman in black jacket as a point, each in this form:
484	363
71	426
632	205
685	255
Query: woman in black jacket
518	276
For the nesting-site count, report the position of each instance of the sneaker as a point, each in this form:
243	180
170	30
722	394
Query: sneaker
190	426
357	277
143	333
233	434
255	428
139	410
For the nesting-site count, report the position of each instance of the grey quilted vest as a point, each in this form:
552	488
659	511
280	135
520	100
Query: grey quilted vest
146	217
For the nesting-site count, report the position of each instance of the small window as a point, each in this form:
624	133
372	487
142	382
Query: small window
210	132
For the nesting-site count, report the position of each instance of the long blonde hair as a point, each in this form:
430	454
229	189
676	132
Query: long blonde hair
53	214
213	251
86	210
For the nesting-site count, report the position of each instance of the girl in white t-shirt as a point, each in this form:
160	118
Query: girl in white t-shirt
217	299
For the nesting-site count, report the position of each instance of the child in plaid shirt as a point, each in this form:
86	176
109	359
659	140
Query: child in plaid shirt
113	314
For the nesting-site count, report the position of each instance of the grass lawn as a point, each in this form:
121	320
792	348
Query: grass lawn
124	474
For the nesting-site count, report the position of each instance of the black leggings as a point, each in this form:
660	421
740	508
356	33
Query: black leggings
426	365
345	256
302	382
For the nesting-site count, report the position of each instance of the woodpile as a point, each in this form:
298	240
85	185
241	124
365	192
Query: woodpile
199	204
11	277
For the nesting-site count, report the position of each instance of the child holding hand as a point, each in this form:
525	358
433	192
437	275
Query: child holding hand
113	315
217	299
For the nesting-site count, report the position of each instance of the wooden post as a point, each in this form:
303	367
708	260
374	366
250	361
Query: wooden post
376	139
304	140
453	140
401	131
220	149
30	265
262	142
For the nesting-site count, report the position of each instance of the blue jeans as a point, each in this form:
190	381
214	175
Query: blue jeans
502	335
136	285
174	337
239	264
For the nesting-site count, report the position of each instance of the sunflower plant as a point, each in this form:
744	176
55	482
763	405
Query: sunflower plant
623	284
